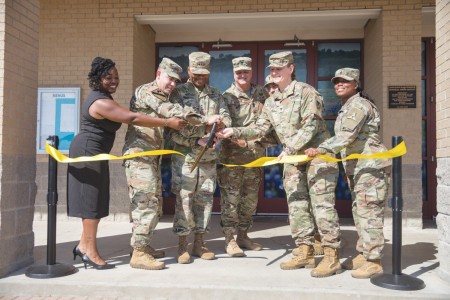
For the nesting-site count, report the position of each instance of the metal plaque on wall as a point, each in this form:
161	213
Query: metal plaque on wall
402	96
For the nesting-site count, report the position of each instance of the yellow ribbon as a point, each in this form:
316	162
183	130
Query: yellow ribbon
59	157
397	151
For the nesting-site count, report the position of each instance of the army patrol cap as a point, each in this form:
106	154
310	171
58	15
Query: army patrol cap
347	74
170	67
280	59
199	62
242	63
269	80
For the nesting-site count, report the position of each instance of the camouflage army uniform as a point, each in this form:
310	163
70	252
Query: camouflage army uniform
239	186
356	128
194	191
296	116
143	173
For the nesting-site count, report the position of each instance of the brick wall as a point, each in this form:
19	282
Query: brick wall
402	65
18	81
443	133
72	33
392	52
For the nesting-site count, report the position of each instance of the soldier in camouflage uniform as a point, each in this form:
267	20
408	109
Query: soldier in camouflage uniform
357	126
143	173
194	190
270	86
295	113
239	186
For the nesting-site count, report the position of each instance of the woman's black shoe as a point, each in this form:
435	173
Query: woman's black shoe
88	261
76	252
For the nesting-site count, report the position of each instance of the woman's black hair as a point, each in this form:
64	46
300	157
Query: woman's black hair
363	94
99	68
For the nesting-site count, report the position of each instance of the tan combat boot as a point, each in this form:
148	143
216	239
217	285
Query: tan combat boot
183	254
329	265
231	247
305	259
200	250
152	251
245	242
318	249
355	263
141	259
368	269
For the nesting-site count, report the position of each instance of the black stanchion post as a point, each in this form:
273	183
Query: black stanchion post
52	201
52	269
397	280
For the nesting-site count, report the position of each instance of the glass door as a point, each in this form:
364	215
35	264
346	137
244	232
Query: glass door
272	198
315	64
221	77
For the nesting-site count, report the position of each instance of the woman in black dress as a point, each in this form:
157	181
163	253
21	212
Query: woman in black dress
88	183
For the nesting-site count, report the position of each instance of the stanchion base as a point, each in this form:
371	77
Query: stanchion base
50	271
401	282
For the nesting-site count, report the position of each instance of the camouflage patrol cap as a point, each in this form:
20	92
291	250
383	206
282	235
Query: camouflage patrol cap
281	59
199	62
347	74
269	80
170	67
242	63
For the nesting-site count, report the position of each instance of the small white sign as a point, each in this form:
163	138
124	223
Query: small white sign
58	114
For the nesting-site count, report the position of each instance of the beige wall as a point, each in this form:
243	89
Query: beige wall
18	82
392	52
402	65
392	57
443	134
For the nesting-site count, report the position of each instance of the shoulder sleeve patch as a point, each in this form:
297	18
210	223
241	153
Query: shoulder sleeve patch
352	118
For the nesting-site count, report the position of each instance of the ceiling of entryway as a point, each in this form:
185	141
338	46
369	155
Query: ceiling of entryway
264	26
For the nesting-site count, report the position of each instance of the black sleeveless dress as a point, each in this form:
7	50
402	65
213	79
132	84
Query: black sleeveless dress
88	182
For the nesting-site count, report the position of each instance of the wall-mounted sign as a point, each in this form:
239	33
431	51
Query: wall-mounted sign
58	114
402	96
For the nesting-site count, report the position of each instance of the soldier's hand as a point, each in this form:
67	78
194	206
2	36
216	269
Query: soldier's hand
282	154
202	141
311	152
176	123
240	142
214	119
225	133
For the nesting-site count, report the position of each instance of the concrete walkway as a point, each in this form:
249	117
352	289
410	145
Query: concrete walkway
257	276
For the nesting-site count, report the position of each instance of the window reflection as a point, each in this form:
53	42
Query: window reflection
180	55
333	56
299	62
332	103
166	177
273	176
222	68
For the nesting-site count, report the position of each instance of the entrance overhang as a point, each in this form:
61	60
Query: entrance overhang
262	26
